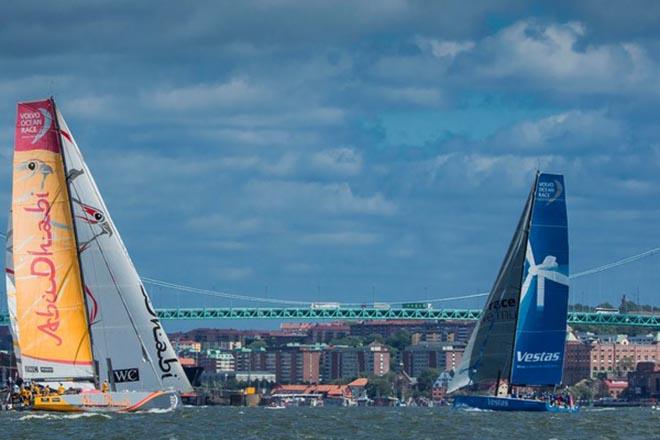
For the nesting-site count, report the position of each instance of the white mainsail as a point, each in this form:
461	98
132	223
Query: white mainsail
129	344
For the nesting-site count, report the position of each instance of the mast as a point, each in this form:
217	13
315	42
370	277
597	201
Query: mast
75	236
522	277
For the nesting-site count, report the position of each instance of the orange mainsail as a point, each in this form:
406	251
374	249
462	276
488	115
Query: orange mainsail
53	334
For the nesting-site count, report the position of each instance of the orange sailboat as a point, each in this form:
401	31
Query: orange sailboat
80	313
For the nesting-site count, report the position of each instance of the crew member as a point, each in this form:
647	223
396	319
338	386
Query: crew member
60	389
105	387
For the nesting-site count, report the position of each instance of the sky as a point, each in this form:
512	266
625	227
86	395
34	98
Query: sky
350	151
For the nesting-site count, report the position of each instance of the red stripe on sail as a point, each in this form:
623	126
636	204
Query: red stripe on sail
66	135
35	127
95	305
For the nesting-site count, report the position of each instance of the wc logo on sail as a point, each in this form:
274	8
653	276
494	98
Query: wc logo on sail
126	375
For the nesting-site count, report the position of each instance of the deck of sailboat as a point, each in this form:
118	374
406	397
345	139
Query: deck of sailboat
496	403
112	401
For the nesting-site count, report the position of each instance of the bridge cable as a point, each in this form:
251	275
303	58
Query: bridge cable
225	295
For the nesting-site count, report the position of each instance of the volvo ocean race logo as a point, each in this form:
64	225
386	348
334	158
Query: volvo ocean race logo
549	191
526	357
35	124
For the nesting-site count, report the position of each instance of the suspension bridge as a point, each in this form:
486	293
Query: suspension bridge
297	313
282	309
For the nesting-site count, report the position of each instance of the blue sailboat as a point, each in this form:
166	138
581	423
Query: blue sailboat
519	341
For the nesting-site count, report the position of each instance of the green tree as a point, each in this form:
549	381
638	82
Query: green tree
257	345
426	379
399	340
351	341
374	337
605	305
380	386
583	390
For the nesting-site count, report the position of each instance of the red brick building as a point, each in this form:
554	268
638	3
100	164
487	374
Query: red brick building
614	388
427	355
577	362
311	366
644	382
290	364
614	359
343	362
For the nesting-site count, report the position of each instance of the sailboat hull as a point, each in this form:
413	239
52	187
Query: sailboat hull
509	404
120	401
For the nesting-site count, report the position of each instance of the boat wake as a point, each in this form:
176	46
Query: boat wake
155	411
465	408
64	416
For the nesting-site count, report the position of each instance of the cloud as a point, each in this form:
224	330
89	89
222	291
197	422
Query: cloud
234	94
559	56
221	225
344	238
418	96
442	49
254	139
231	273
328	198
574	131
342	161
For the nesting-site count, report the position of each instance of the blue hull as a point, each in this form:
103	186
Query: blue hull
508	404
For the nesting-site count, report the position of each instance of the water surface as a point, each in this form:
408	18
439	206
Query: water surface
337	423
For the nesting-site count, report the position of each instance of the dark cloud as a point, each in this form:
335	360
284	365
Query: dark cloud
241	145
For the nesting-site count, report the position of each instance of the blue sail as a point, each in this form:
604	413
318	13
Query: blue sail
538	353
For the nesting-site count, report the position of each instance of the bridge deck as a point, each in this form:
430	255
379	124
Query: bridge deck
637	320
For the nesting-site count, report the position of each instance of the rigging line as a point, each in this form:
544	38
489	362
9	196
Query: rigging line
617	263
282	301
220	294
451	298
184	288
